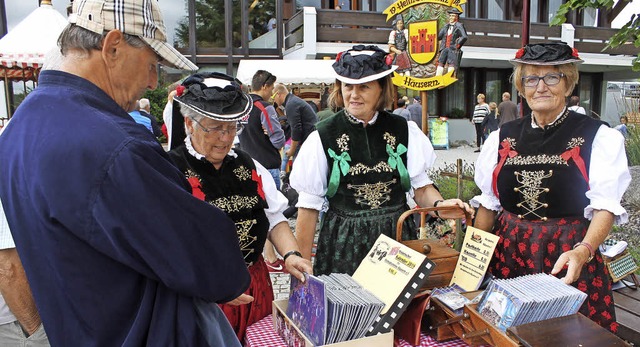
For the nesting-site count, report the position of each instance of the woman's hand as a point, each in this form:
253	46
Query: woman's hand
243	299
296	266
573	261
455	213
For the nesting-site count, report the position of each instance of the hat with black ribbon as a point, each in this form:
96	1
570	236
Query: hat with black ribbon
556	53
213	95
362	64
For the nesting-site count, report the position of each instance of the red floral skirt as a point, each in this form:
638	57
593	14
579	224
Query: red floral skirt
242	316
530	247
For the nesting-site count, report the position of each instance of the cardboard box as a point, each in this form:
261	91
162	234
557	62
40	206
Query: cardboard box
283	325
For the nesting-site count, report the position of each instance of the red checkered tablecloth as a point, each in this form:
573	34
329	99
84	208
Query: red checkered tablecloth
261	334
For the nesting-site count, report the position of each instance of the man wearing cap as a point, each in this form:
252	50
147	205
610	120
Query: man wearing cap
105	268
452	36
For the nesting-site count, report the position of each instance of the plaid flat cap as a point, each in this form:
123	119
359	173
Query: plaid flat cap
140	18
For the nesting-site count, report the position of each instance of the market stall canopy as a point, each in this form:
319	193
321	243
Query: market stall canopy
289	71
22	50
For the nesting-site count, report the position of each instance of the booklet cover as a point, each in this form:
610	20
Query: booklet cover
308	307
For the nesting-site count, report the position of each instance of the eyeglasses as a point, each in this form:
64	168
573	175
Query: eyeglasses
550	79
221	130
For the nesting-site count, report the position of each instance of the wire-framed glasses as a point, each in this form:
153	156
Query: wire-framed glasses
221	129
550	79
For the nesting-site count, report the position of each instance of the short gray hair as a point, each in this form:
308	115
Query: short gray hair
143	103
76	37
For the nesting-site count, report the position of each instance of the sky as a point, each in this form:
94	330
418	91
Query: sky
174	10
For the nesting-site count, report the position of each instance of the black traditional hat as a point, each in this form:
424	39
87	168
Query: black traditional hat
362	64
556	53
213	95
454	11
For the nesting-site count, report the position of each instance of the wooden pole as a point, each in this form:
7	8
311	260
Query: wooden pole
425	112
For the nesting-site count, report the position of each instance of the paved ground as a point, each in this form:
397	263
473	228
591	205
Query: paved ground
449	156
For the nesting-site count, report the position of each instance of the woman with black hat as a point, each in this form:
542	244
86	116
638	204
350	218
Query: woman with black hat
364	160
210	107
554	179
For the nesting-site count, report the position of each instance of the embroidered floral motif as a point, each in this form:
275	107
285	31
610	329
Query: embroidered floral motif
360	168
343	142
512	142
372	195
242	173
575	142
235	203
536	159
390	139
530	189
243	229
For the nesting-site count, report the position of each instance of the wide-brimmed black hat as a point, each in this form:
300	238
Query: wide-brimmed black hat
362	64
556	53
454	11
213	95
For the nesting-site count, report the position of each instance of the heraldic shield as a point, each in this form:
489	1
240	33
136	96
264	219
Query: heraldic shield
423	41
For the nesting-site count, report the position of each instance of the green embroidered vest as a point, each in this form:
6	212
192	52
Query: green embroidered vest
367	165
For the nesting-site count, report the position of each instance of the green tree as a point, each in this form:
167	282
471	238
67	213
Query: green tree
630	32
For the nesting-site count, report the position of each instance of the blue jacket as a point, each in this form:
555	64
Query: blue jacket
116	249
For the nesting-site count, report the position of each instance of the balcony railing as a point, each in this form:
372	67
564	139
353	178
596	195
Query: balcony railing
372	27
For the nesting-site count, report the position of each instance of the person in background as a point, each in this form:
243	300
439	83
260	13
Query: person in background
480	111
145	110
360	160
223	176
263	137
554	180
116	249
507	109
416	111
490	122
574	105
301	117
140	119
622	127
402	110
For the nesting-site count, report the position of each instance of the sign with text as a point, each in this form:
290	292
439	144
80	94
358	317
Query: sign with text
475	255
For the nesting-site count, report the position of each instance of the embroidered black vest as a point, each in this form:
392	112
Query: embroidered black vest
372	180
545	171
234	190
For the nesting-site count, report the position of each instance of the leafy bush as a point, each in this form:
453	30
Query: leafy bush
632	145
448	186
457	113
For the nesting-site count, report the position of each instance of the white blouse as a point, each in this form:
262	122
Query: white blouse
275	199
609	174
310	168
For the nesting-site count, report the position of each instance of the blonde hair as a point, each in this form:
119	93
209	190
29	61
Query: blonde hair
569	70
481	96
336	100
493	105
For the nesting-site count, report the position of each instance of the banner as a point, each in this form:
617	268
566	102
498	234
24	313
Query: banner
423	83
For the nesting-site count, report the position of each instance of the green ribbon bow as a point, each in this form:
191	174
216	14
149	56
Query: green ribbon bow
395	161
340	165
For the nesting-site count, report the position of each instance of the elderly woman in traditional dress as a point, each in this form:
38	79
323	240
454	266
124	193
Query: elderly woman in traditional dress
554	179
364	160
210	107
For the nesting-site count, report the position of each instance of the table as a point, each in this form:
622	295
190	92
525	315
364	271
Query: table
261	334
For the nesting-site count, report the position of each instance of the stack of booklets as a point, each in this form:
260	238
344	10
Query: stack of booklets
452	297
332	308
528	299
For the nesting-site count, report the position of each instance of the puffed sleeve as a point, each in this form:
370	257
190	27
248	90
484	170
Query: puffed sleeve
485	164
420	157
276	201
309	173
609	175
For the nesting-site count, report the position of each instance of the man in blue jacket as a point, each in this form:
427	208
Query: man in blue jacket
116	249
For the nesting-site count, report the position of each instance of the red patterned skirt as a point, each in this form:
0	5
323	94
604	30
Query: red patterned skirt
530	247
243	316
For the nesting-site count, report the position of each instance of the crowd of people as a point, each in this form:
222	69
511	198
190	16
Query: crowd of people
125	243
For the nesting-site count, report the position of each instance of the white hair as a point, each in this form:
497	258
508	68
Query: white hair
144	103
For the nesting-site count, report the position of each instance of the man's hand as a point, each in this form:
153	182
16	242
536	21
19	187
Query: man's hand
297	266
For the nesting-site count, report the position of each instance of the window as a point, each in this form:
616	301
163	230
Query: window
176	20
